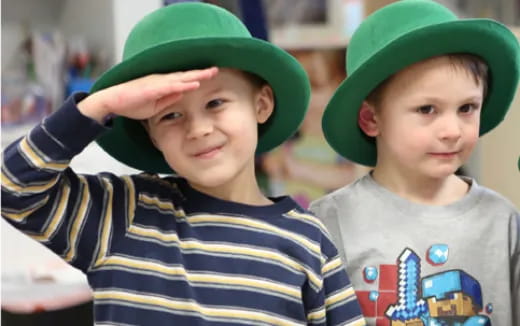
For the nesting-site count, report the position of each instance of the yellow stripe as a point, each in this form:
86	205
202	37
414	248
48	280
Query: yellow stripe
335	263
274	287
19	217
258	225
58	215
161	204
359	322
309	217
13	187
203	278
193	307
156	234
131	198
172	237
316	315
339	296
107	223
78	220
37	160
164	205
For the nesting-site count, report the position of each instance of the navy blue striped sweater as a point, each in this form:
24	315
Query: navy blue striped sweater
157	252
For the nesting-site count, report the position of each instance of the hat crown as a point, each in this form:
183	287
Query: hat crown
390	23
176	22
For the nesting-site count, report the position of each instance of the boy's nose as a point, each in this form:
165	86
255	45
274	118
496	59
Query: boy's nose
199	126
450	128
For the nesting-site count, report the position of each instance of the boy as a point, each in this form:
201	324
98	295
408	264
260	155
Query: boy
423	246
206	248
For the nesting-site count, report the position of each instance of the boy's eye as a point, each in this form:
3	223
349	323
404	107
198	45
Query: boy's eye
214	103
426	109
171	116
468	108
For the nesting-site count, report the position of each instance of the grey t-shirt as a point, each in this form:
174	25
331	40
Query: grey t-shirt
457	264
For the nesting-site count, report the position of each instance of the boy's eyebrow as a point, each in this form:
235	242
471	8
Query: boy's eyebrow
440	99
475	98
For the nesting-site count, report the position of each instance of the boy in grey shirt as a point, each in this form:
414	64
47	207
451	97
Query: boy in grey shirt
424	246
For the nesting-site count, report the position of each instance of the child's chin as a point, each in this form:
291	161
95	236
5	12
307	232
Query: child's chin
211	181
443	173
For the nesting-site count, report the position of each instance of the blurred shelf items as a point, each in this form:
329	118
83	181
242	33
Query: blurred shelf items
50	49
42	71
53	48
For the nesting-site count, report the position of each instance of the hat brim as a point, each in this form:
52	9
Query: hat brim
491	41
127	140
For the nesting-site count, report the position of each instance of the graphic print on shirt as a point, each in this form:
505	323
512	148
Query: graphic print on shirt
406	298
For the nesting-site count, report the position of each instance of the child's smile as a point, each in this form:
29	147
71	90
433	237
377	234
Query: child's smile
208	152
210	135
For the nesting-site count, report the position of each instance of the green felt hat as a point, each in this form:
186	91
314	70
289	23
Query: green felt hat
404	33
188	36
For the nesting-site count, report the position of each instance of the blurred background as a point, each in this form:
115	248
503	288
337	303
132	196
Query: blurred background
52	48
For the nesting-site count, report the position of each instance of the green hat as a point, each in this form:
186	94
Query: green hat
401	34
192	36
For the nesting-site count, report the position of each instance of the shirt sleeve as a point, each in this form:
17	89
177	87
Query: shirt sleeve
71	214
335	303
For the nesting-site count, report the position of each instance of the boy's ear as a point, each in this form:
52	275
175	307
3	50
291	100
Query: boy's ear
367	119
264	103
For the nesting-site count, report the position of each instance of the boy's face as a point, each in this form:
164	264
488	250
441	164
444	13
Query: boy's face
210	135
427	119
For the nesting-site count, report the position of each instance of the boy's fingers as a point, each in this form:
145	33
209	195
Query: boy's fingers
173	82
167	88
168	100
175	87
155	87
197	74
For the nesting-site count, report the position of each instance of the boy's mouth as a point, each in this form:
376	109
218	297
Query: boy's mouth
208	152
445	154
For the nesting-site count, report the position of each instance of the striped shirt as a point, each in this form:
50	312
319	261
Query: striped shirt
158	252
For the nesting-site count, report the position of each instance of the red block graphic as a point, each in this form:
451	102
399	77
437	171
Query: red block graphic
368	307
385	299
388	278
387	295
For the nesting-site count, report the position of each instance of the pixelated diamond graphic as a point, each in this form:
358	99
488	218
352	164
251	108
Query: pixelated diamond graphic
370	274
373	295
437	254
